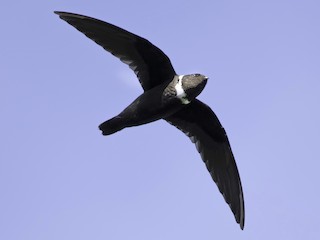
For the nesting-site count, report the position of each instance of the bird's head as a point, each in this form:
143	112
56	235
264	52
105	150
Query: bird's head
188	87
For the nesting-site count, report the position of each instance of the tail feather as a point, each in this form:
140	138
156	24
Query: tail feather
111	126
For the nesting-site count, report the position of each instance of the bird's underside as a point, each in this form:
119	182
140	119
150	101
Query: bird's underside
193	117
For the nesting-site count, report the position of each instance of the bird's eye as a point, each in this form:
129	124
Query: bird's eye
196	75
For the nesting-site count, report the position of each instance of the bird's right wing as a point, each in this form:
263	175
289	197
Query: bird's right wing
200	123
149	63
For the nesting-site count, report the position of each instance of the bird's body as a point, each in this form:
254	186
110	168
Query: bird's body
157	103
170	97
148	107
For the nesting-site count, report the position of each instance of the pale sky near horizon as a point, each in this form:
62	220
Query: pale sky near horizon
61	179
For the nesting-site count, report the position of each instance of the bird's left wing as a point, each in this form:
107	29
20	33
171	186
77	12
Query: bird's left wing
200	123
149	63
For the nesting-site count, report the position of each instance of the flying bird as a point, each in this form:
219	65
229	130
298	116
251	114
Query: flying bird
167	96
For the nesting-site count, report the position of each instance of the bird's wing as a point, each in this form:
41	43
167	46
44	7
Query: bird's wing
200	123
149	63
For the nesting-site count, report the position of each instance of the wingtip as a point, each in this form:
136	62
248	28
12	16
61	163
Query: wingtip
240	221
242	214
57	12
61	14
242	225
65	15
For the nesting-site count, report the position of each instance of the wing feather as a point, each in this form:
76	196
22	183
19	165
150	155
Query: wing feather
149	63
204	129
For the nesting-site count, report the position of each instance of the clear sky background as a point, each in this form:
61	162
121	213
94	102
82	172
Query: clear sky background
61	179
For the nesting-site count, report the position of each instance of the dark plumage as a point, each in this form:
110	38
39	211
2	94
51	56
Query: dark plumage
170	97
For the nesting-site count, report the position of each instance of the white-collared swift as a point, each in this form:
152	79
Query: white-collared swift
167	96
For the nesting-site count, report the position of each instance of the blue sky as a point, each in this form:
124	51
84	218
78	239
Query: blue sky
61	179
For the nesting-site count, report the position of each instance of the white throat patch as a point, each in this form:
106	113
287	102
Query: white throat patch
180	92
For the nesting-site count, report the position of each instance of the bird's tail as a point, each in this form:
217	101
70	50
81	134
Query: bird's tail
111	126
